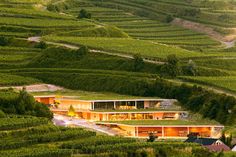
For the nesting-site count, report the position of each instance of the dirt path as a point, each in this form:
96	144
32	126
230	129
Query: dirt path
228	41
71	46
36	88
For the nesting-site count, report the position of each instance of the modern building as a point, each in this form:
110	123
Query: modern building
112	113
114	110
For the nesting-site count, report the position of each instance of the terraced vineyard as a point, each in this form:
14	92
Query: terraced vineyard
31	136
132	48
227	83
146	29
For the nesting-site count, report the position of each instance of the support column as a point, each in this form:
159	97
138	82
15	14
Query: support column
135	103
107	116
114	105
137	131
162	132
188	130
92	105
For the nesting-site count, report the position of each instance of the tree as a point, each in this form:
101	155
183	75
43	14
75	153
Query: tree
152	137
71	111
41	45
169	18
138	62
4	41
26	101
191	68
171	68
84	14
83	51
226	138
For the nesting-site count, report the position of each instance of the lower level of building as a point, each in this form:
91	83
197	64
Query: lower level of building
173	131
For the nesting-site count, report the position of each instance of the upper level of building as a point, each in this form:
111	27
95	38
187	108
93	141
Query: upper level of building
64	103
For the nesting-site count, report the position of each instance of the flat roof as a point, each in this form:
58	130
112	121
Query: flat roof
44	96
88	95
201	122
115	100
140	111
125	111
149	126
77	98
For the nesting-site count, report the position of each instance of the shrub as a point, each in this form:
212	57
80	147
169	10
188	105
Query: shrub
138	62
2	114
171	68
169	18
22	103
84	14
4	41
41	45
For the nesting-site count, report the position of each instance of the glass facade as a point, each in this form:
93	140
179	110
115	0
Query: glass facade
125	105
104	105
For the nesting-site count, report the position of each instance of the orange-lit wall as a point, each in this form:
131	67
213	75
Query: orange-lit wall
175	131
172	132
144	131
203	131
45	100
77	105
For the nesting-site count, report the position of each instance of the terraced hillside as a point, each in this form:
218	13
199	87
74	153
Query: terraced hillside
217	14
128	47
144	28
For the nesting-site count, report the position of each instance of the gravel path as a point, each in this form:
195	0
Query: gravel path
71	46
36	88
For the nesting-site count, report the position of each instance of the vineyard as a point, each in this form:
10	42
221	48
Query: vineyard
128	46
227	83
30	136
123	50
143	28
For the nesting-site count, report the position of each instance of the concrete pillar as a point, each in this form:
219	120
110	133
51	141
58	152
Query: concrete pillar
92	105
114	105
137	132
135	103
212	132
162	132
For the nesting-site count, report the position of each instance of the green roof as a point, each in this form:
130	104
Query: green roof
85	95
163	122
142	110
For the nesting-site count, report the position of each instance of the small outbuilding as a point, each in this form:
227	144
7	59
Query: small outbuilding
214	145
234	149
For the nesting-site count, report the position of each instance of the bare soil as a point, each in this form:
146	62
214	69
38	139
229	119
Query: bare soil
228	41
